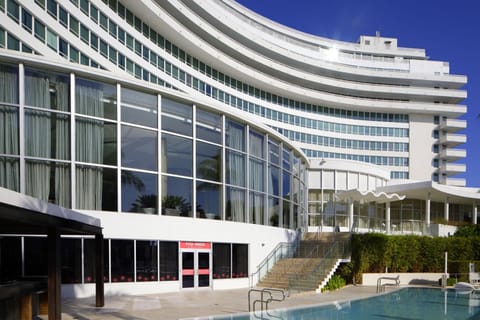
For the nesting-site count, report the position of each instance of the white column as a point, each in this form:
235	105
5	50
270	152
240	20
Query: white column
427	209
387	217
350	213
474	218
446	209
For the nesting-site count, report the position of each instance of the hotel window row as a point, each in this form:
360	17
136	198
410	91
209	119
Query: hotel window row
111	150
343	143
148	54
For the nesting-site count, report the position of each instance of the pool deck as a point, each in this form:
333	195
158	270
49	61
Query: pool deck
196	304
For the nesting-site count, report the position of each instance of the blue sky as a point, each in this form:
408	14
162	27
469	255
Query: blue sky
447	30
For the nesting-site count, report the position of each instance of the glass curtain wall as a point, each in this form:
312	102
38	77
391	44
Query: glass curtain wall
47	136
257	177
235	164
200	153
9	134
96	145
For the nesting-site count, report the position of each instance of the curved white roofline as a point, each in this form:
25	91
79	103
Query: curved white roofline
306	37
350	166
434	191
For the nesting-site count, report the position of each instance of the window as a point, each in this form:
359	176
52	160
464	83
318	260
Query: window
52	8
71	258
84	34
178	158
94	41
235	135
176	117
13	43
84	6
103	21
239	260
89	260
35	263
139	107
96	141
168	261
146	260
230	260
112	28
112	55
26	20
13	10
11	257
139	148
209	126
39	30
122	260
74	25
103	48
62	47
52	40
96	188
63	16
177	196
221	260
93	13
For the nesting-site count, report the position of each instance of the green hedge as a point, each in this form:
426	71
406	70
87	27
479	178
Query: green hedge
375	252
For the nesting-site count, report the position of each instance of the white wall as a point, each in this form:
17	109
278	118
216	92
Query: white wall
260	239
421	147
370	279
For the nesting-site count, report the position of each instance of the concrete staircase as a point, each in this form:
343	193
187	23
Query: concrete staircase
309	269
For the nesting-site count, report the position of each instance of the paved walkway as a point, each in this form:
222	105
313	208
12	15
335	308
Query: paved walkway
193	304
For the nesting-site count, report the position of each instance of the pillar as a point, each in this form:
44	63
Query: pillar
350	213
427	210
474	218
54	273
446	210
387	217
99	272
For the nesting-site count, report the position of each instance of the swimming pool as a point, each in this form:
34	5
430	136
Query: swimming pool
407	303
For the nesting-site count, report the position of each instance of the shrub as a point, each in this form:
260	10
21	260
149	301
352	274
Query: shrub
373	253
335	282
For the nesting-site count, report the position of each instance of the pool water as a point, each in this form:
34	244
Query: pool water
404	304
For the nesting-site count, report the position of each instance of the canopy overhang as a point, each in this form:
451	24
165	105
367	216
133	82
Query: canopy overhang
25	215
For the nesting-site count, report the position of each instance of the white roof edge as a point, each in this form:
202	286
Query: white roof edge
22	201
308	37
462	192
350	166
369	195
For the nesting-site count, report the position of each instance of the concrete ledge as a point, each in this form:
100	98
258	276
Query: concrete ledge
370	279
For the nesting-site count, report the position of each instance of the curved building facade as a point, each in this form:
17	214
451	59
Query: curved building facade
202	135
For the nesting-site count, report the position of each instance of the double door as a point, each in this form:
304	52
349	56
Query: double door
195	268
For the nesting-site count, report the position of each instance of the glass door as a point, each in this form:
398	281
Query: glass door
195	269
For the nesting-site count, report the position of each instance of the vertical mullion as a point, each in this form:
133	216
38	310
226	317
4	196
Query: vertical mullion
119	148
73	199
224	169
159	154
21	120
247	164
194	159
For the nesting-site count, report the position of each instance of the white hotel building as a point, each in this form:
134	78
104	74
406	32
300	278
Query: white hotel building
202	135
